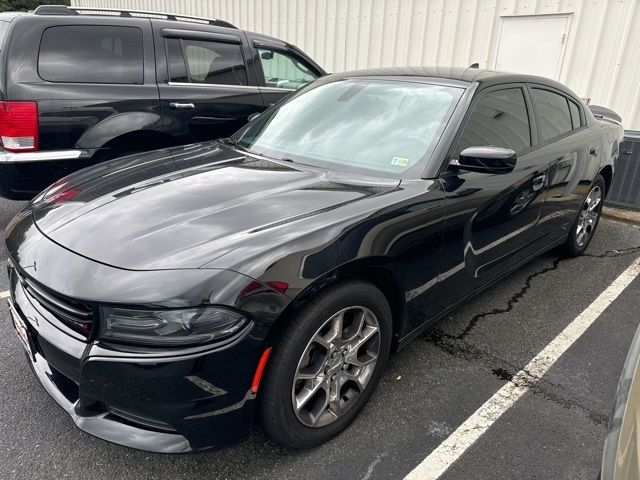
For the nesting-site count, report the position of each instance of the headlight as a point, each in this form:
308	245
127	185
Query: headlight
193	326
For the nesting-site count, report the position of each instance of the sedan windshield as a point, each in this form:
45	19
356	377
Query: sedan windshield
385	128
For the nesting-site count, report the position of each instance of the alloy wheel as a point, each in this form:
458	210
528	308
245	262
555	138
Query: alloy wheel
588	217
336	366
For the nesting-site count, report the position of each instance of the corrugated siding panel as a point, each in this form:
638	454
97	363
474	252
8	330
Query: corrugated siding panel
601	60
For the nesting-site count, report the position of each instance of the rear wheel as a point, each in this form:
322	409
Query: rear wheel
588	219
326	364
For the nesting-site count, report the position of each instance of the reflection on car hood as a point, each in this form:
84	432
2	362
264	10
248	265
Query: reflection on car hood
185	207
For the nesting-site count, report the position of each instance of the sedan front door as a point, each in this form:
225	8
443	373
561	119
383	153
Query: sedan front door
492	218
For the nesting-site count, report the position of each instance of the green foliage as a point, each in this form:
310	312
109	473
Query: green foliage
25	5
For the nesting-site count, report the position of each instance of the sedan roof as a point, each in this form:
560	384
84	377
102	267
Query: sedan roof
453	75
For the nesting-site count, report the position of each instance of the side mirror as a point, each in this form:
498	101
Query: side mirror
253	116
266	55
487	160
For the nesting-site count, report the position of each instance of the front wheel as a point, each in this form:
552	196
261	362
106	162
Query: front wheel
588	219
326	364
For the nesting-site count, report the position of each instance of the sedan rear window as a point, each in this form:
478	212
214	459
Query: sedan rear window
381	127
212	63
91	54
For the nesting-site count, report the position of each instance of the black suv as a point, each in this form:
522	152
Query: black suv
79	86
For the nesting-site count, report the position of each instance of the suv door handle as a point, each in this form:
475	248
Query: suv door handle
181	106
594	151
538	182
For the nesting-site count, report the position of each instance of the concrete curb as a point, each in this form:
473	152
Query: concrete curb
627	216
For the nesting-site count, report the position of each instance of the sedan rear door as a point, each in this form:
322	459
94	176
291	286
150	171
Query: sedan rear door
573	150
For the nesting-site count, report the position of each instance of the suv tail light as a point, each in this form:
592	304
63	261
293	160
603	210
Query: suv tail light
19	126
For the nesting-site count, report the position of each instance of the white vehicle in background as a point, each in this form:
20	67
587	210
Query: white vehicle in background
621	459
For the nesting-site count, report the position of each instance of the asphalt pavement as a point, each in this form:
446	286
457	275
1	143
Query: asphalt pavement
555	430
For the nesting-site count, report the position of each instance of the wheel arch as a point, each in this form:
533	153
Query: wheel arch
137	141
120	126
377	271
607	174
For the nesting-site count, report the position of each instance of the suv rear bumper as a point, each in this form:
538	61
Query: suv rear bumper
44	156
24	174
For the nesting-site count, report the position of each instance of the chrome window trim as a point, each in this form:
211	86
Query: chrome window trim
216	85
277	89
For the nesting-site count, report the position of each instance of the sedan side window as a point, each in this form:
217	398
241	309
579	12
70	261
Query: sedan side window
553	113
282	70
575	115
197	61
499	119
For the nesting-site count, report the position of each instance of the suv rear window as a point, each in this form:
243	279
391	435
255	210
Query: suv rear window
212	63
91	54
4	26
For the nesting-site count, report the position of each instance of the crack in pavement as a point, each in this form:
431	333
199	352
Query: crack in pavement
527	285
613	253
510	304
456	345
373	465
505	370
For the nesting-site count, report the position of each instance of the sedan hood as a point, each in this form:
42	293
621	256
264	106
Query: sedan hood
186	207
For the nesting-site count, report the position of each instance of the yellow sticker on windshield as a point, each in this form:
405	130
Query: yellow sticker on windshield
400	161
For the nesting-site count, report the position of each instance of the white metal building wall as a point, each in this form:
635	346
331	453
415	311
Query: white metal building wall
601	60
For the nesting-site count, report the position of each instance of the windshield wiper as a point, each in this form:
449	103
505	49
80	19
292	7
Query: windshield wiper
232	143
236	144
228	141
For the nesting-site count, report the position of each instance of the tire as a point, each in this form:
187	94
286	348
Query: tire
587	219
299	352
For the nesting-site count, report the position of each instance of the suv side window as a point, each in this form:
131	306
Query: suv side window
499	119
553	112
282	70
213	63
91	54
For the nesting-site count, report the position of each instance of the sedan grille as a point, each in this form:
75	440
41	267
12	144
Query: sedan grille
73	314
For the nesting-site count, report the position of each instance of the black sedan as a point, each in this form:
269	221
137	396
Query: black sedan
168	299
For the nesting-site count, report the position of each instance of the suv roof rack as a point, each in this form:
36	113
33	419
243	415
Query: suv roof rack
54	10
123	12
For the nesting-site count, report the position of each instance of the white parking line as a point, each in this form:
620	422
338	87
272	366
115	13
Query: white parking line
4	294
472	429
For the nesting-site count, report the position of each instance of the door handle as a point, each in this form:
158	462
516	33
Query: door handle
594	151
538	182
181	106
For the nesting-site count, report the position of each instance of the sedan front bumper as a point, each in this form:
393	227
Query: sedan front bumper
168	403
